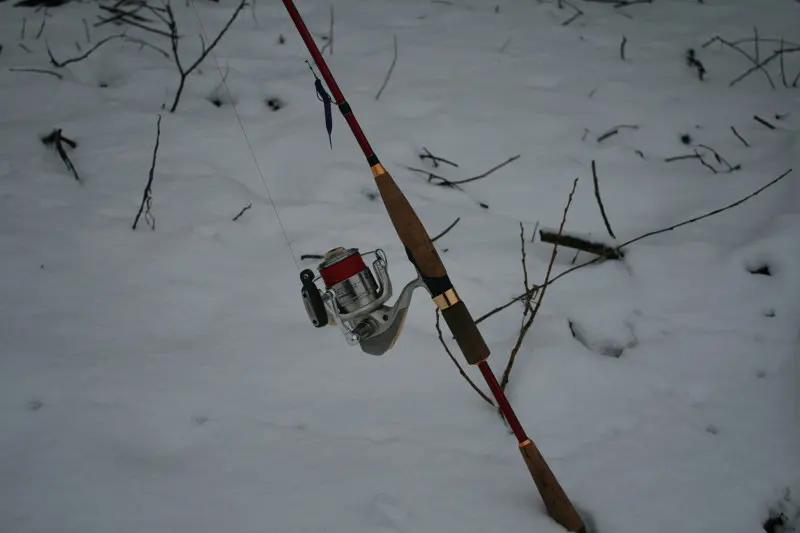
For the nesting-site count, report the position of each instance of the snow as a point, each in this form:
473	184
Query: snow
170	380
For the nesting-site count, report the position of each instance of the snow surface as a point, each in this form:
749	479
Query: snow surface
169	380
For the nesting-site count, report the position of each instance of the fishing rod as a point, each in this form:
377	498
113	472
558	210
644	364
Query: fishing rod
355	301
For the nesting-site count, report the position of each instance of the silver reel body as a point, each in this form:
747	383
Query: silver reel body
355	299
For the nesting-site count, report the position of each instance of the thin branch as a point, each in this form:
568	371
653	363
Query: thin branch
622	47
431	176
481	176
329	43
764	122
142	44
575	8
22	32
86	31
615	130
245	208
639	238
391	68
532	317
680	157
704	163
39	71
145	27
600	200
147	196
57	139
783	68
762	65
739	136
745	54
446	230
579	243
173	34
44	21
720	159
435	159
61	64
525	281
460	369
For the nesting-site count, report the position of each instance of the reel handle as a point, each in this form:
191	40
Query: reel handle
312	300
423	254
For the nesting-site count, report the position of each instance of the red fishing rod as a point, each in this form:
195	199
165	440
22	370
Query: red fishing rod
355	301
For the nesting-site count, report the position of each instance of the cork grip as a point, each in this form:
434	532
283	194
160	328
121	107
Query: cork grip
409	228
466	332
555	499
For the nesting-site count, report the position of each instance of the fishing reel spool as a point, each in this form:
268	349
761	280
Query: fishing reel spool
355	300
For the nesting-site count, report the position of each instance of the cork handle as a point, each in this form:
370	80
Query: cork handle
555	499
409	227
422	252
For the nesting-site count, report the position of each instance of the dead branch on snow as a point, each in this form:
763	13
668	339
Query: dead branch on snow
637	239
56	139
147	196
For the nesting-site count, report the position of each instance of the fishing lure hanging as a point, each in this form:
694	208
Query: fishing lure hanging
325	98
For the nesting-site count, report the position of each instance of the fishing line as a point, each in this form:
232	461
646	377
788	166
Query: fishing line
246	138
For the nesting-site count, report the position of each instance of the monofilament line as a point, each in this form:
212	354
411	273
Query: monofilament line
246	138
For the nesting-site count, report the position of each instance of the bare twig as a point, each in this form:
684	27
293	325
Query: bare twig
431	176
245	208
615	130
533	235
764	122
446	230
755	34
83	56
173	34
719	158
57	139
25	48
481	176
86	31
622	47
639	238
783	68
391	68
505	45
329	43
600	201
142	44
739	136
39	71
745	54
574	16
543	288
147	196
455	361
525	281
435	159
761	66
579	243
704	163
680	157
44	21
22	32
692	61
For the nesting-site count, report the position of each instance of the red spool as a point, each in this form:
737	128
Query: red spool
341	270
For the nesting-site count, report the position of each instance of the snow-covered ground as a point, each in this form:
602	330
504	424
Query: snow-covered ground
169	380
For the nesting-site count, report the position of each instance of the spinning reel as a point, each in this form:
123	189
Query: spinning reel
355	301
